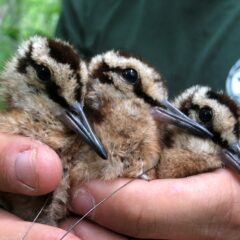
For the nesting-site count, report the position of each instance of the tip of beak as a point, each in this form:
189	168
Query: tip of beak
232	156
103	154
98	147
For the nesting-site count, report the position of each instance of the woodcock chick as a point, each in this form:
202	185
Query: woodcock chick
45	82
188	154
117	104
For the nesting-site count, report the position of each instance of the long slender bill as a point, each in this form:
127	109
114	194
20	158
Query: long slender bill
232	156
76	120
174	116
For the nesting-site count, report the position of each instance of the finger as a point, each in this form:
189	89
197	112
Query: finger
11	227
27	166
90	231
167	208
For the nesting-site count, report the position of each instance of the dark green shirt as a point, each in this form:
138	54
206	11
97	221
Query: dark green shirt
189	41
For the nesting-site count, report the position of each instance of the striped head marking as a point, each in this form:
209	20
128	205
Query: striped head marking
47	69
126	76
215	110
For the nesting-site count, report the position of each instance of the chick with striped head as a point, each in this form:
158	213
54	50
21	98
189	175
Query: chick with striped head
44	86
220	115
119	96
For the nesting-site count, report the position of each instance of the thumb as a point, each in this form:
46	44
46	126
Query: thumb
27	166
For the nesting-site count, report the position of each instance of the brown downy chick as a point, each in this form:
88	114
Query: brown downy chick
119	98
188	154
44	84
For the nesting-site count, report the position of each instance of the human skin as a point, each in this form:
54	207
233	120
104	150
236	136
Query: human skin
32	168
205	206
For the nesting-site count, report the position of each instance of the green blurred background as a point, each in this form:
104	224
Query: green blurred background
20	19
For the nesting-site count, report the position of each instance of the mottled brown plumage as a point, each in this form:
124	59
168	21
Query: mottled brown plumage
189	154
116	105
118	92
39	83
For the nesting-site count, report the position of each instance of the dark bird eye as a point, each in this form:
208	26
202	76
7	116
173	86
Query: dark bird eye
130	75
43	73
205	114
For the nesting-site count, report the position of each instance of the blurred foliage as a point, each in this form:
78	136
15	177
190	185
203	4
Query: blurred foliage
20	19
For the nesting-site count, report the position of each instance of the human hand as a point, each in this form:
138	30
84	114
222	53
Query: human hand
29	167
205	206
12	227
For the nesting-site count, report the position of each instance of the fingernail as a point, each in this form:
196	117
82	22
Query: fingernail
25	168
82	201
